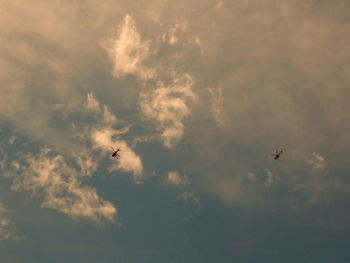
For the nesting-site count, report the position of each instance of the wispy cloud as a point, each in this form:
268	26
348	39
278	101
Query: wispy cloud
128	51
57	176
268	78
48	175
269	178
94	106
182	182
318	162
190	196
168	105
217	101
252	177
7	229
171	37
103	136
128	161
174	178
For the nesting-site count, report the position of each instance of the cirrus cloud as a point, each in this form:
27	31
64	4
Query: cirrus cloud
160	102
49	176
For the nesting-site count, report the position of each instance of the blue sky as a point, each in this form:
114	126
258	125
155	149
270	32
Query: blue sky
198	95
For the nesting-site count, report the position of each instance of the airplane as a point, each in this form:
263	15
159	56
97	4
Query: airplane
277	154
115	152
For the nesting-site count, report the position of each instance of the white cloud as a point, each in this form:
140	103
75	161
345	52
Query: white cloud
168	105
49	176
103	137
57	177
318	162
128	161
128	51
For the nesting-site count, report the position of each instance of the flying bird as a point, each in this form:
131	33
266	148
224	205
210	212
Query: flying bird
277	154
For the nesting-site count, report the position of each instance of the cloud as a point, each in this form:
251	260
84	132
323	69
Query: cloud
271	69
168	105
269	178
7	229
103	136
128	51
270	74
57	176
174	178
128	161
49	176
189	196
217	103
168	102
318	162
258	181
171	37
252	177
182	182
101	111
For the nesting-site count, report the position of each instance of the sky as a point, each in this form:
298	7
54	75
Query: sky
197	95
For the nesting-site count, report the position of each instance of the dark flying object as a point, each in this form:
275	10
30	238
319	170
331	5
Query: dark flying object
115	152
277	154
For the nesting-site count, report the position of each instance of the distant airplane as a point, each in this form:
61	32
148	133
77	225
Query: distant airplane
277	154
115	152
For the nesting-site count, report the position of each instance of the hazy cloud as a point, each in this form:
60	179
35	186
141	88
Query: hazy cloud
220	84
7	229
182	182
174	178
128	161
189	196
103	136
252	177
101	111
318	162
49	176
168	105
128	51
171	37
271	68
217	102
269	178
